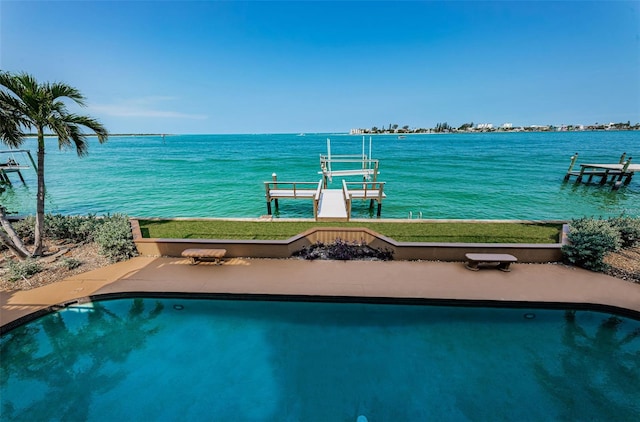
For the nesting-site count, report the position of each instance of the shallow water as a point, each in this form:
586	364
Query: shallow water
181	359
456	176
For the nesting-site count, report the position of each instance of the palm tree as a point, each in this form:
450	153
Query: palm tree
26	104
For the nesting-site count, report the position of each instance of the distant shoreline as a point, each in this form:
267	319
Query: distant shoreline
636	129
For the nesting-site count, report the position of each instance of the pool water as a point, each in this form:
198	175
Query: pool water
224	360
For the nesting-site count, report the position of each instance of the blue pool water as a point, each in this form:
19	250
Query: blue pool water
193	359
451	176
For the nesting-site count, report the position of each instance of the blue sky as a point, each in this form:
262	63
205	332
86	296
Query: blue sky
300	66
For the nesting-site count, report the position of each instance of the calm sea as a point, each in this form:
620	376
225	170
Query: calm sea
449	176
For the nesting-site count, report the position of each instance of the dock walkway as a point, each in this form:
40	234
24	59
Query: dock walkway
328	204
332	205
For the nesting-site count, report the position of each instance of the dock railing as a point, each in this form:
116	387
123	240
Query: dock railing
294	190
316	200
372	191
277	189
366	190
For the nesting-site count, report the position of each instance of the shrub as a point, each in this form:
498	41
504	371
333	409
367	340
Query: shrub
73	228
23	269
590	241
114	238
25	228
629	229
59	227
69	263
341	250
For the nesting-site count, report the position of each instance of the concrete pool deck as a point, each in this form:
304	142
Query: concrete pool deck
535	283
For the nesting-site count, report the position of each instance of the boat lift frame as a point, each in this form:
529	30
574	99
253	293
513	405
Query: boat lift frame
12	166
368	167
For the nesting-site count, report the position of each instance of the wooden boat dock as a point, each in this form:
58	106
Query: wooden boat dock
11	165
328	204
615	174
333	204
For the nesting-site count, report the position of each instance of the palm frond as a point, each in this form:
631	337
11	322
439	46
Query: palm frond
90	123
60	90
10	133
26	103
12	119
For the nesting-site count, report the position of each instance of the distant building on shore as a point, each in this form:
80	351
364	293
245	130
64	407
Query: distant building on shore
489	127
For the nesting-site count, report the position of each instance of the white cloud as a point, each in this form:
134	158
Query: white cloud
142	107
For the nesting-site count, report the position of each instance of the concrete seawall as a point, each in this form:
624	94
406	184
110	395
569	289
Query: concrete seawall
407	251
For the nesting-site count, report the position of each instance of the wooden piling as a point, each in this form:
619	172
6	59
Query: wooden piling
574	158
624	154
274	177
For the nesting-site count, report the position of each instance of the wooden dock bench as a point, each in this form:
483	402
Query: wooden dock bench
197	255
503	260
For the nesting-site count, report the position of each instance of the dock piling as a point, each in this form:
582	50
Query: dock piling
274	177
624	154
574	157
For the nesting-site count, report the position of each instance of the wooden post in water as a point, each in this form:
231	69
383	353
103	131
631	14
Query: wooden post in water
630	174
579	179
605	176
268	196
623	173
275	186
622	158
574	157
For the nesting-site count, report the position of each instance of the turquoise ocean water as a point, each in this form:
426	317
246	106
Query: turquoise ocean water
449	176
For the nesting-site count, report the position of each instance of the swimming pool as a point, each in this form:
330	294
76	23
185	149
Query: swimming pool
238	360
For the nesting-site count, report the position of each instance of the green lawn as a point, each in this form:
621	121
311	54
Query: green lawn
403	232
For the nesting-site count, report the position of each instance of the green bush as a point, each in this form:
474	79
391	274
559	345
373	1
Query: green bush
590	241
73	228
59	227
114	238
23	269
69	263
25	228
629	229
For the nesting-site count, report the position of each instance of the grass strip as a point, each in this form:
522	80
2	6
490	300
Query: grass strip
403	232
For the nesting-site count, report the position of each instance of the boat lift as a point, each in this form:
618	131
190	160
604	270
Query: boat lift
333	204
12	165
366	167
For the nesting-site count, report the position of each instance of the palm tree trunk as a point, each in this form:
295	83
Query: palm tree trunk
39	229
11	239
